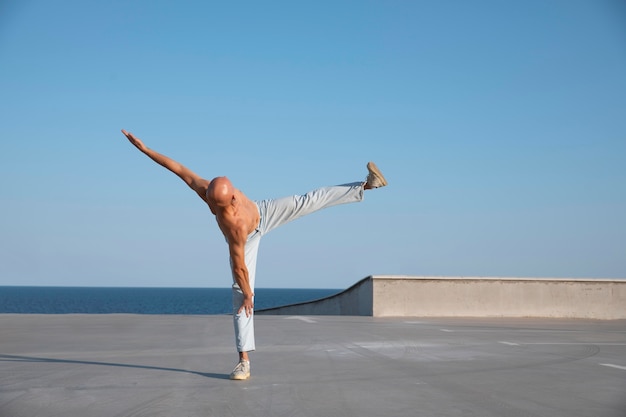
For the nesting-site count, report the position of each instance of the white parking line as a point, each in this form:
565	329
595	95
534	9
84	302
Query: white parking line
610	365
509	343
304	319
576	343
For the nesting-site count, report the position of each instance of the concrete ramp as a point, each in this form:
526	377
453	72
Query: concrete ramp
405	296
357	300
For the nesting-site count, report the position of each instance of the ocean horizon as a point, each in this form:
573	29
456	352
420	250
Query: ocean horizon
142	300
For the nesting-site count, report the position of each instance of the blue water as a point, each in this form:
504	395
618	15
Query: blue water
87	300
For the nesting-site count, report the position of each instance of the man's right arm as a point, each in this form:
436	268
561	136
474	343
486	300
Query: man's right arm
236	237
195	182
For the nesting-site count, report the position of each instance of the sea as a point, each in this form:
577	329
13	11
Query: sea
112	300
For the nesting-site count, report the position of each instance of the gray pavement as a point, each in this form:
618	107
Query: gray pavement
141	365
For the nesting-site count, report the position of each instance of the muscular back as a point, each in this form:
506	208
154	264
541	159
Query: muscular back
237	219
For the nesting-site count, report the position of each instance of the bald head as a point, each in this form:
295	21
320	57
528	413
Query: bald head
220	191
236	215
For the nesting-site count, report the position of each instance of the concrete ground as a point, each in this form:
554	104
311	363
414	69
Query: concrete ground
140	365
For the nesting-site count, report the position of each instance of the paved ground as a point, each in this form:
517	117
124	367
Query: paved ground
131	365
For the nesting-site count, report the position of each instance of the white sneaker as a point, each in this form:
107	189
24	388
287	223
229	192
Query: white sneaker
375	178
241	371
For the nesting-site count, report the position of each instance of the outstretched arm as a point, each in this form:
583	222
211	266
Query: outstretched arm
195	182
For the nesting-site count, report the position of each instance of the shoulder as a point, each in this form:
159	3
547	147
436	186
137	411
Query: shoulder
200	186
232	226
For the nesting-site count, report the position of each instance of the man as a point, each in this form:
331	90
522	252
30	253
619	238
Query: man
243	222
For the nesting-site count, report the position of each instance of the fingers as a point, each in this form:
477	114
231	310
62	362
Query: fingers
247	308
135	141
129	135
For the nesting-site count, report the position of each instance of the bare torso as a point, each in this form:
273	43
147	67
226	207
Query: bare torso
241	216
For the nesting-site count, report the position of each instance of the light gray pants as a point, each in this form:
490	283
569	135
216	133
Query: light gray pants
275	213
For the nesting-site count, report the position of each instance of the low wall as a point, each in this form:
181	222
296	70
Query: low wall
398	296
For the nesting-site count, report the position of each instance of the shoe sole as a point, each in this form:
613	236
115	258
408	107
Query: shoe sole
239	377
374	170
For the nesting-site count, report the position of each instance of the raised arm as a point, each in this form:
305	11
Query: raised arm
195	182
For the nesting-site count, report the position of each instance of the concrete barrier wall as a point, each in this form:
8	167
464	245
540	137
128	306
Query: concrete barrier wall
393	296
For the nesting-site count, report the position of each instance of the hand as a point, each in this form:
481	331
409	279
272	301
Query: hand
134	140
247	305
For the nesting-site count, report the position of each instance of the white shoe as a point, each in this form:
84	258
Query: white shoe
375	178
241	371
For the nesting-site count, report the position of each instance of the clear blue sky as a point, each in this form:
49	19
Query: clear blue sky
500	125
